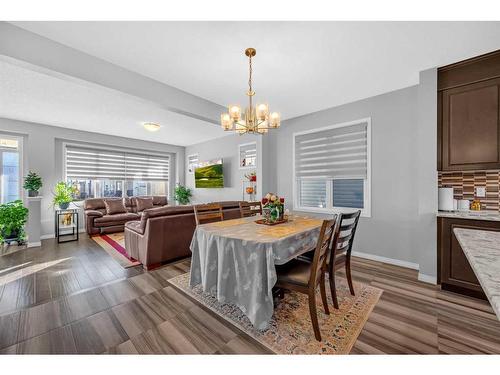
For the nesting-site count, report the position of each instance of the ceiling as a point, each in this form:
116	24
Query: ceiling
300	67
38	97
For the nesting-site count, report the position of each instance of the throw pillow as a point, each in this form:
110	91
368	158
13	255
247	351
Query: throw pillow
143	203
114	206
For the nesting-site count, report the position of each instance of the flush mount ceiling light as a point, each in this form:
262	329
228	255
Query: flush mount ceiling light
151	126
256	119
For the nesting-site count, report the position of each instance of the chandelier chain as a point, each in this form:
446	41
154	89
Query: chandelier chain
250	75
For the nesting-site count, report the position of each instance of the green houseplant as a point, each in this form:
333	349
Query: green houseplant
32	183
182	194
63	195
13	217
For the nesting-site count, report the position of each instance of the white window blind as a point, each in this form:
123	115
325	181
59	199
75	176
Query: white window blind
85	163
332	153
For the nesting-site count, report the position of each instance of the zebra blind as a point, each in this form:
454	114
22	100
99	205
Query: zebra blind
332	153
89	163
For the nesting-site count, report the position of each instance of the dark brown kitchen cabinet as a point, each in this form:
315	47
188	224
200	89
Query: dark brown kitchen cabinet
469	114
455	272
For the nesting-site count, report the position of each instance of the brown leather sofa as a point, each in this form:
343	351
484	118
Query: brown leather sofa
164	234
98	222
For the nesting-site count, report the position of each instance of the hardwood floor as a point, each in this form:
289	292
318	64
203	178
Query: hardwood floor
74	298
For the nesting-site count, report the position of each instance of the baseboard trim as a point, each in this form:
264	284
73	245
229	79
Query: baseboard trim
395	262
427	278
35	244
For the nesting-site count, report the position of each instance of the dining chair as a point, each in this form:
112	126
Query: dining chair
250	209
303	277
208	213
340	253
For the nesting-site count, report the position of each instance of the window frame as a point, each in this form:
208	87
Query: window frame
168	182
189	164
20	151
366	210
239	155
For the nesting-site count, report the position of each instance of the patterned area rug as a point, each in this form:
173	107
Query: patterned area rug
290	330
114	245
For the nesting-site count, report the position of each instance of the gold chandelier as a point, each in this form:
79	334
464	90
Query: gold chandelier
256	119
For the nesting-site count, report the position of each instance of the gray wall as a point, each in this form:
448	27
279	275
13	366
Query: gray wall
389	231
402	226
43	154
227	149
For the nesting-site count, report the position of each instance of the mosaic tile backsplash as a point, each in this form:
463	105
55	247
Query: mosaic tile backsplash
464	184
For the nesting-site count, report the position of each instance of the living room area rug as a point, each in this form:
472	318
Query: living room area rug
290	330
114	245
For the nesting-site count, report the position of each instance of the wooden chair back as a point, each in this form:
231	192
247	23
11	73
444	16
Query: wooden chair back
322	250
250	209
344	234
208	213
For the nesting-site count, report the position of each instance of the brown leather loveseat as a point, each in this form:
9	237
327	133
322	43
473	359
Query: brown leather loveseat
99	219
164	234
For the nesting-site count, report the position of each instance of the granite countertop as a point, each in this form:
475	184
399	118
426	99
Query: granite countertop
482	249
473	215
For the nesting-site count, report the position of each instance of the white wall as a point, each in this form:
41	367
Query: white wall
43	154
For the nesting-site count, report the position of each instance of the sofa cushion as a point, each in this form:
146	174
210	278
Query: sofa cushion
134	226
93	204
143	203
117	219
114	206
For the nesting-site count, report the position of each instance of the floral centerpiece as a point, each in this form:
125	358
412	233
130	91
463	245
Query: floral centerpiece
273	207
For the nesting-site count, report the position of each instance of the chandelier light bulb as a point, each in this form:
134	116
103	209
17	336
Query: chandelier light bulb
274	119
235	112
226	122
262	111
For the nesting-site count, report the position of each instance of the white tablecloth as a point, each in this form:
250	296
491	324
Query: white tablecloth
235	260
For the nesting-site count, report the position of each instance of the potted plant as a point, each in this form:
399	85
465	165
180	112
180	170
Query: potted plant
182	194
32	183
63	195
13	217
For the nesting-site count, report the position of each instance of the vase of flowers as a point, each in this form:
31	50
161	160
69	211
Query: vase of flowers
273	207
251	177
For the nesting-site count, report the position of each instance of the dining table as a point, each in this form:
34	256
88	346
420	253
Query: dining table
235	260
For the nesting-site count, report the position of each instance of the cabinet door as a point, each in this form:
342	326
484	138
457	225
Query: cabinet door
471	126
456	273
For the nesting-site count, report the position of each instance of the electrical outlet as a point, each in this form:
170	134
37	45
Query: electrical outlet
480	192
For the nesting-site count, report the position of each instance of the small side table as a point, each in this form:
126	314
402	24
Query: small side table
66	220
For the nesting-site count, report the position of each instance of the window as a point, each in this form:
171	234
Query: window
100	173
192	163
11	168
248	155
332	168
